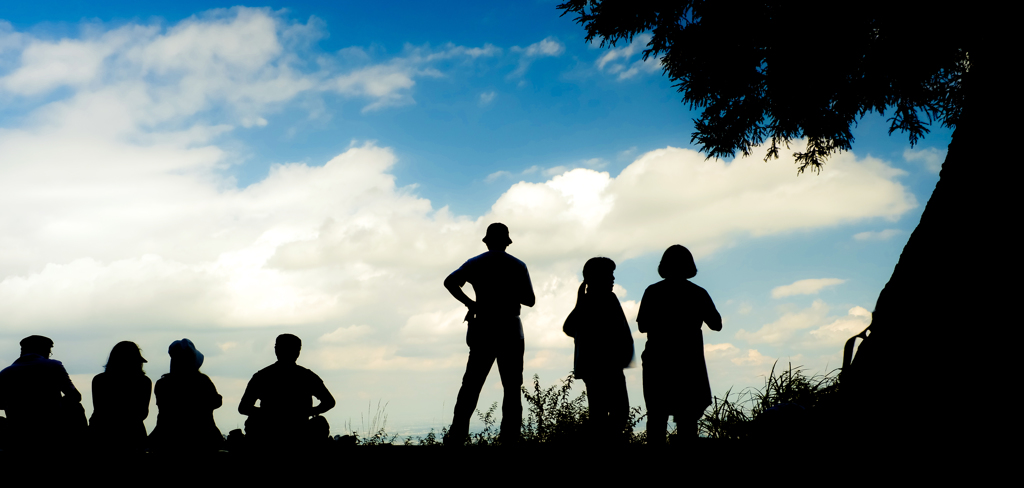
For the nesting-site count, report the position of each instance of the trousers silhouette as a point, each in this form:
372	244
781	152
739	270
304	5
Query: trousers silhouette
483	352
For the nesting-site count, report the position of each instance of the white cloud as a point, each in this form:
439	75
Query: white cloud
674	195
785	327
616	60
343	335
805	287
877	235
548	47
930	157
810	330
495	175
487	97
835	333
389	84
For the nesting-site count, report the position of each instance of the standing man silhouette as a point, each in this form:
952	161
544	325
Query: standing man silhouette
501	284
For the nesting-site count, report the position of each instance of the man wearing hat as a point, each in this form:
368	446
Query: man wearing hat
34	392
501	284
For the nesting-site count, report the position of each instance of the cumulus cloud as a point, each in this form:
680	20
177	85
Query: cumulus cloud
805	287
930	157
486	98
675	195
616	61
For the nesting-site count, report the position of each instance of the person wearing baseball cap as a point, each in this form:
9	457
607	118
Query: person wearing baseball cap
501	284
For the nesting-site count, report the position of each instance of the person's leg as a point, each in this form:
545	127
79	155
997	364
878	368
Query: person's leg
657	428
510	367
480	361
618	405
597	406
657	419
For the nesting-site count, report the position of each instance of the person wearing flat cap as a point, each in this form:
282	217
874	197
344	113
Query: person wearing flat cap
36	393
501	284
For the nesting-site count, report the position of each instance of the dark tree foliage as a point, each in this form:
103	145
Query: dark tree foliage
777	71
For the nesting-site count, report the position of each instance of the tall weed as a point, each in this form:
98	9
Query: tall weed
784	406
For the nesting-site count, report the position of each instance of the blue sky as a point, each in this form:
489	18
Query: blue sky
223	173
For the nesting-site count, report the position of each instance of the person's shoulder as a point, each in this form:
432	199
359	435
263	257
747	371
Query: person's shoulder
307	373
266	370
512	259
695	287
473	261
479	257
657	287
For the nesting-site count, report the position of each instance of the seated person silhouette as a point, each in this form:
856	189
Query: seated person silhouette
671	313
38	397
185	400
604	346
120	399
285	391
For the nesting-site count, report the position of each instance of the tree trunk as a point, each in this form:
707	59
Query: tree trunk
927	373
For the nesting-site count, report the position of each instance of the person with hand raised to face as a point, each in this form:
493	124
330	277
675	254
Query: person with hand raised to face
604	347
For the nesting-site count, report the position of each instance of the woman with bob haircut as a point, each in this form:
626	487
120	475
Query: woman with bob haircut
675	374
120	399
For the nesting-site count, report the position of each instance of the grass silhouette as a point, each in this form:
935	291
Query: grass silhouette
785	407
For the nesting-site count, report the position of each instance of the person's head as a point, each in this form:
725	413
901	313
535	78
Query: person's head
36	344
184	356
677	262
497	237
287	348
598	273
125	357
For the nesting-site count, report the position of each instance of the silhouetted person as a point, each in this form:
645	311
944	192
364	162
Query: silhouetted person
675	375
39	398
186	399
285	391
501	283
604	346
120	399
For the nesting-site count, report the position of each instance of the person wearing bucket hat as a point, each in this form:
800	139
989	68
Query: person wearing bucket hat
501	284
37	394
186	399
120	399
